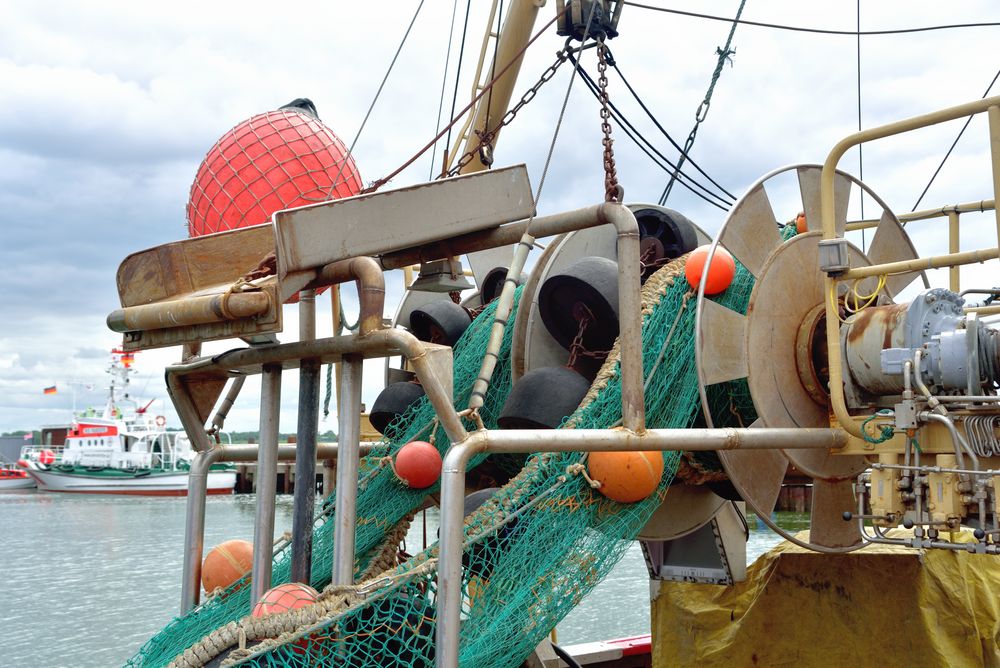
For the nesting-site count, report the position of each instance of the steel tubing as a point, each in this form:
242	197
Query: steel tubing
304	501
449	605
189	311
267	481
367	273
927	214
194	528
348	437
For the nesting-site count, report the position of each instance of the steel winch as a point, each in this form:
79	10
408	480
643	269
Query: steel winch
958	353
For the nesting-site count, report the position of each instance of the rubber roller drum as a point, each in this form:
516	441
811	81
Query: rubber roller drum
586	289
441	322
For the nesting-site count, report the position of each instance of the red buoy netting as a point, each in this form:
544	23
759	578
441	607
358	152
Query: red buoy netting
272	161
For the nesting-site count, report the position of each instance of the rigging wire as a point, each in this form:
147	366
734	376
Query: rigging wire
444	83
639	139
701	114
666	134
820	31
953	144
350	150
861	159
458	76
385	179
654	154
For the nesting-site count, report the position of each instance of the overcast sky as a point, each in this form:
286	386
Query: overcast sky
109	108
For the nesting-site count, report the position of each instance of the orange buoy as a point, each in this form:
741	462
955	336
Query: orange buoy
285	597
720	274
418	464
800	223
226	563
47	457
626	477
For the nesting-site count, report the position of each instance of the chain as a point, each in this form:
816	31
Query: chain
576	348
485	146
610	173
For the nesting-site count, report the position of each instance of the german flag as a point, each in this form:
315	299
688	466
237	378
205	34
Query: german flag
49	390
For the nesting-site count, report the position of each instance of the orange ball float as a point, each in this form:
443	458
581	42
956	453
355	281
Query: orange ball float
800	223
226	563
626	477
719	275
418	464
285	597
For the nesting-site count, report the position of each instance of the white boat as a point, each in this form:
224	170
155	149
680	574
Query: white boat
125	450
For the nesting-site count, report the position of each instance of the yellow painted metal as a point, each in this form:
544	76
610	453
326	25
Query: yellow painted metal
885	496
934	262
882	606
928	214
954	276
944	501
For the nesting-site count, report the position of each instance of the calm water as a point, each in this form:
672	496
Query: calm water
89	578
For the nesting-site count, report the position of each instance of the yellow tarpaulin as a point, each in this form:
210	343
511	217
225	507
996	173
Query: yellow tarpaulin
880	606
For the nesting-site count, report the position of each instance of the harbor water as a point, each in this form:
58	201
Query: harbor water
88	579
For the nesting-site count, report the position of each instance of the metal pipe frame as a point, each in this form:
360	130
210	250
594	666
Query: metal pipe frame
194	529
827	207
981	206
304	501
267	483
449	592
348	461
367	273
190	311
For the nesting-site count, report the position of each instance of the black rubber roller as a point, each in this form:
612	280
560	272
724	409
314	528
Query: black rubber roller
493	284
668	232
393	402
543	398
589	284
439	322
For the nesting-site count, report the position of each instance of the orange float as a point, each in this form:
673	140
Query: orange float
719	276
626	477
226	563
800	223
418	464
285	597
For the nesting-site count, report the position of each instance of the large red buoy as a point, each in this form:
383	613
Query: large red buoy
285	597
626	477
226	563
418	464
719	275
47	457
272	161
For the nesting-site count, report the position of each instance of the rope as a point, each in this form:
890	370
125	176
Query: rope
725	55
887	429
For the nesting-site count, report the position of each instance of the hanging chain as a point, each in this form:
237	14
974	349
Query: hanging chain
610	173
485	146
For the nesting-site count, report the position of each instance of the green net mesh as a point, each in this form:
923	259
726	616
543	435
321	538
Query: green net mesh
383	501
535	549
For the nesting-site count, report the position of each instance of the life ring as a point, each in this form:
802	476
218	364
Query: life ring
161	421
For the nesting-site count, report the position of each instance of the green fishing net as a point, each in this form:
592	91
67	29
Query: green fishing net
383	501
534	549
